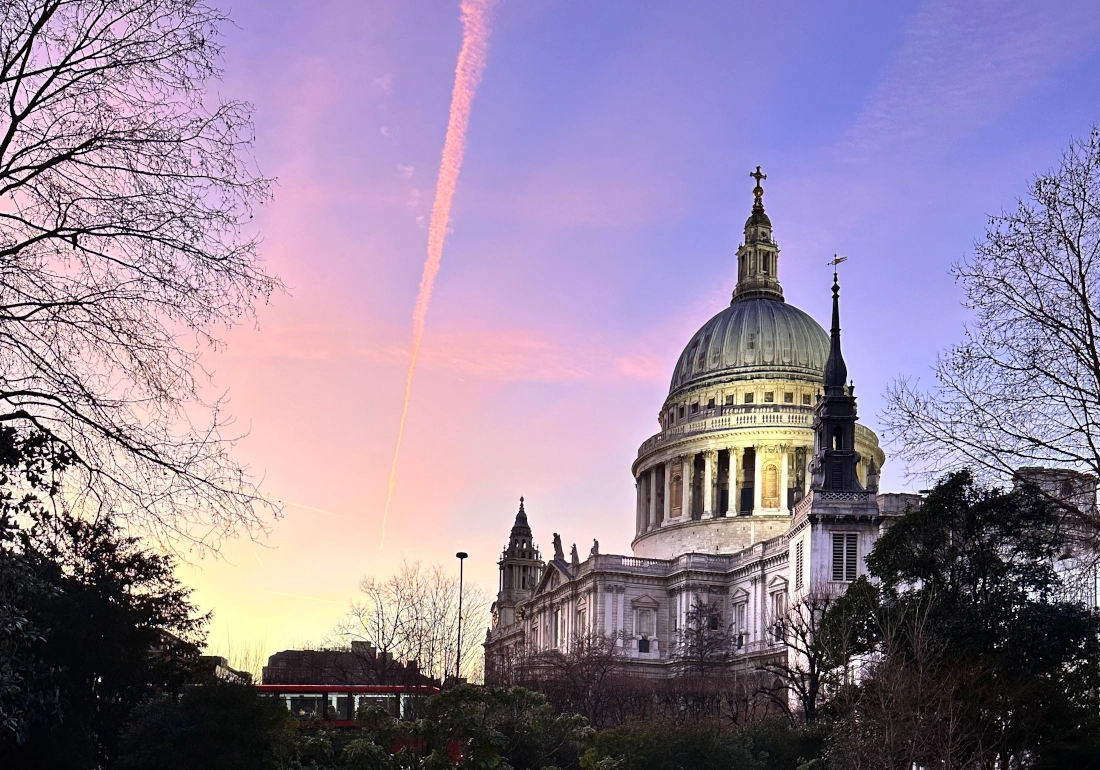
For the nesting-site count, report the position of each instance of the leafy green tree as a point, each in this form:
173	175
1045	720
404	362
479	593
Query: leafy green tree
215	726
970	631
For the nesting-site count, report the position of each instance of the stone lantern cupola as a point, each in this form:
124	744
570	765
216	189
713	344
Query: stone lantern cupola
758	255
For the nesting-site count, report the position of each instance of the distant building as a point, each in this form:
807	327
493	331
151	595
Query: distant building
219	667
360	664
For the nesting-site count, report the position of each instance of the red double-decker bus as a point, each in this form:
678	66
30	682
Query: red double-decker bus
337	704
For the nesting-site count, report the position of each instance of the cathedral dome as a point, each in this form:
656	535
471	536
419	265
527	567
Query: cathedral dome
751	339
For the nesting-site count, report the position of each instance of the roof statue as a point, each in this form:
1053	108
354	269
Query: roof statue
595	548
558	553
574	557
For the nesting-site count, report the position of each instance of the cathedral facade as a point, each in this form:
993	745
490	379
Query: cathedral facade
760	487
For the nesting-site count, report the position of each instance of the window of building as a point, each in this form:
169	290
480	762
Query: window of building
798	565
729	400
805	399
788	398
769	397
845	551
779	613
748	398
645	622
710	404
712	621
681	412
643	646
695	407
580	620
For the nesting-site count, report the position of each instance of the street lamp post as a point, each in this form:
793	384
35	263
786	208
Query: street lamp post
458	658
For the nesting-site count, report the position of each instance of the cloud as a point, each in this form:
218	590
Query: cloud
959	65
384	83
386	132
495	355
405	171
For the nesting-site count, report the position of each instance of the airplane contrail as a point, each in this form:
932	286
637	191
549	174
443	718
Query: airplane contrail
471	65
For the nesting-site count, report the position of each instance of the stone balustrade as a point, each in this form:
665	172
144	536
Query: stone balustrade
726	417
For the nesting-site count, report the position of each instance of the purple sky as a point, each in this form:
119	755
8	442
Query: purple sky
594	228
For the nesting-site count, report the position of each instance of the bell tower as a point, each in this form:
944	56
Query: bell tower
835	455
835	526
758	255
520	569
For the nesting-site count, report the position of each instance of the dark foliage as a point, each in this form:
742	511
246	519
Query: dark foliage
92	623
980	661
770	745
214	726
464	727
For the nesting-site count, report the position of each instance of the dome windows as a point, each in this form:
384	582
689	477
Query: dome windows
749	398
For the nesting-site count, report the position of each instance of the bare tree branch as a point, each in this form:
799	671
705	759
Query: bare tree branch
126	188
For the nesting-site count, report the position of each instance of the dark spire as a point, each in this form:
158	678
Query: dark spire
835	370
835	456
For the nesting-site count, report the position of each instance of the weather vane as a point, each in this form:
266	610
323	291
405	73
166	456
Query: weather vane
834	262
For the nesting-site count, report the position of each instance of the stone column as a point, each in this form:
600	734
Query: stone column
687	470
638	506
708	486
737	458
668	493
731	479
783	481
758	482
651	482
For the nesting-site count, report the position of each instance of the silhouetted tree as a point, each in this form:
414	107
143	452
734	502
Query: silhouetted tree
413	615
126	187
105	623
1021	388
818	641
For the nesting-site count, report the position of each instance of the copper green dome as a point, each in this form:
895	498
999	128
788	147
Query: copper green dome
753	339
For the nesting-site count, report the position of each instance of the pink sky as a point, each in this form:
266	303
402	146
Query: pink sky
593	231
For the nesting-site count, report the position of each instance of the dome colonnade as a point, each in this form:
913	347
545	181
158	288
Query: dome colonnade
737	433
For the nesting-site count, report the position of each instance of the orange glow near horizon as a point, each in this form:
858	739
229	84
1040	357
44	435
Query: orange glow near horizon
468	72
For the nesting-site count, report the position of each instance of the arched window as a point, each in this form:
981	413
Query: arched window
838	438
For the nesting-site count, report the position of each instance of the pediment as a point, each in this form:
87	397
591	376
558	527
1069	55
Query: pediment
777	583
555	575
739	596
644	603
